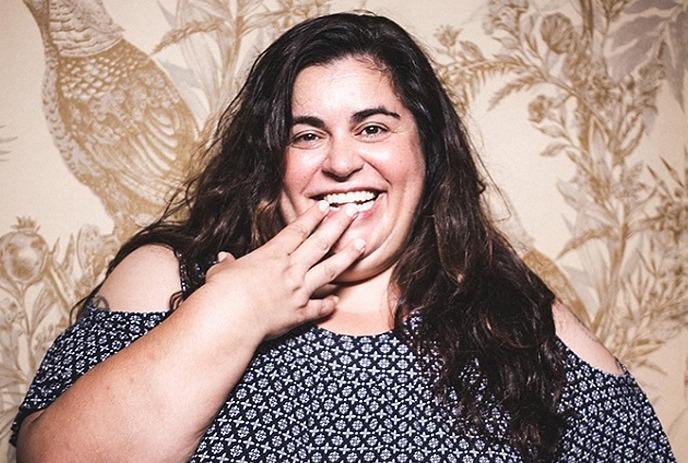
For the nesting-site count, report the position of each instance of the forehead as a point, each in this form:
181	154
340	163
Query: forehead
347	82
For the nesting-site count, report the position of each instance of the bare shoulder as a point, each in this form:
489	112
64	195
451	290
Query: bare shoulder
144	281
580	340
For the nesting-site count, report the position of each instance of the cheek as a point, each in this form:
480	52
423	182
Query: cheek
287	207
292	198
413	189
299	171
411	174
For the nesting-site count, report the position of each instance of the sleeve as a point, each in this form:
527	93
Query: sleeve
609	418
95	336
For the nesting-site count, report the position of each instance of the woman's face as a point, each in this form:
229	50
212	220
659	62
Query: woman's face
353	141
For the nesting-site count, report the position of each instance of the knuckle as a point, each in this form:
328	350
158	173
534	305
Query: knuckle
301	317
324	306
299	230
281	259
314	310
301	297
322	244
329	270
292	281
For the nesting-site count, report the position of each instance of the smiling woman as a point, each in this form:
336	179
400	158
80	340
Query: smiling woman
334	291
353	141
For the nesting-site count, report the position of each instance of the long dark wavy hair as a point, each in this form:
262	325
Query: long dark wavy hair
477	299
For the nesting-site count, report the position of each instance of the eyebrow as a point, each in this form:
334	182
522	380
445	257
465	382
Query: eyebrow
309	120
356	118
360	116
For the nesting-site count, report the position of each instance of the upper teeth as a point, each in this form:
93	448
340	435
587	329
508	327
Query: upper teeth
350	197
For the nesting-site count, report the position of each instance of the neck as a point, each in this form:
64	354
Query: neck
364	308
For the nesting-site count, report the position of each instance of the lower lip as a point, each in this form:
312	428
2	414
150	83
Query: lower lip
365	214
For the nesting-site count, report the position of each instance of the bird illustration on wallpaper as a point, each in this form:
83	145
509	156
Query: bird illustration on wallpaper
116	118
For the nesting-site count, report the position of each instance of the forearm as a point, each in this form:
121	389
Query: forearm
153	400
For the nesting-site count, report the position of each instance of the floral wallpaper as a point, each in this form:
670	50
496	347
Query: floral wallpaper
578	109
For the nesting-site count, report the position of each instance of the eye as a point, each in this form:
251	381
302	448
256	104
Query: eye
305	140
373	131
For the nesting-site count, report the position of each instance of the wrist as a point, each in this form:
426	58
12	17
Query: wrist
226	316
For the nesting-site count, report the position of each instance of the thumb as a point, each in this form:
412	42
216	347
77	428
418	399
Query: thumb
222	255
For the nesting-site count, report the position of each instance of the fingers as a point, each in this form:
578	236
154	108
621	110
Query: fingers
314	309
313	249
330	268
324	291
291	236
318	308
222	256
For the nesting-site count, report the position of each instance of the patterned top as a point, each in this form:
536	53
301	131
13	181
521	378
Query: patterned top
317	396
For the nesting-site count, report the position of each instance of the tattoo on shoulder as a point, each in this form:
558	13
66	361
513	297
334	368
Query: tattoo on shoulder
99	302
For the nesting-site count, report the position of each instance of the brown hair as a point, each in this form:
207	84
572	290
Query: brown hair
477	299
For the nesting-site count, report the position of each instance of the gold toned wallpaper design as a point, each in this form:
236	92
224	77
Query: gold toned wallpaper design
578	108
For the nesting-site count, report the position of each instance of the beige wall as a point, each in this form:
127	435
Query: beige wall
578	109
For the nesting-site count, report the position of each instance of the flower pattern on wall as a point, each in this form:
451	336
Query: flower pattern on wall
630	224
127	124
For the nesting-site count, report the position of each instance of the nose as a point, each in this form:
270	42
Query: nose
343	159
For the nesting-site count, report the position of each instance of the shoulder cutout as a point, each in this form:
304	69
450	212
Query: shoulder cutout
143	282
581	341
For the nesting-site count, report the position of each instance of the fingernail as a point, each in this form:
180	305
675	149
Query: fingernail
222	256
323	205
359	244
335	299
351	210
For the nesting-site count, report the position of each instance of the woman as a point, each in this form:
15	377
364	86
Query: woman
335	292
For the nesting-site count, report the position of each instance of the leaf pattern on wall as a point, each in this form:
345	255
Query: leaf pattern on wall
629	220
220	39
652	31
38	285
594	81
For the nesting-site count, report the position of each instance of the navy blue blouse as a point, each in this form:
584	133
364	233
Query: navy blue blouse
317	396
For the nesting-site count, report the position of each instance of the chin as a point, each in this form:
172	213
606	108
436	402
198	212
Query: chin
365	269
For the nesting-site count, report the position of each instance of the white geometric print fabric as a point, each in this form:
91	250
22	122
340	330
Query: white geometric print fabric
317	396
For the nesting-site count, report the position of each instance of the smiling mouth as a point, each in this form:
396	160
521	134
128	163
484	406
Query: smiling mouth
362	199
